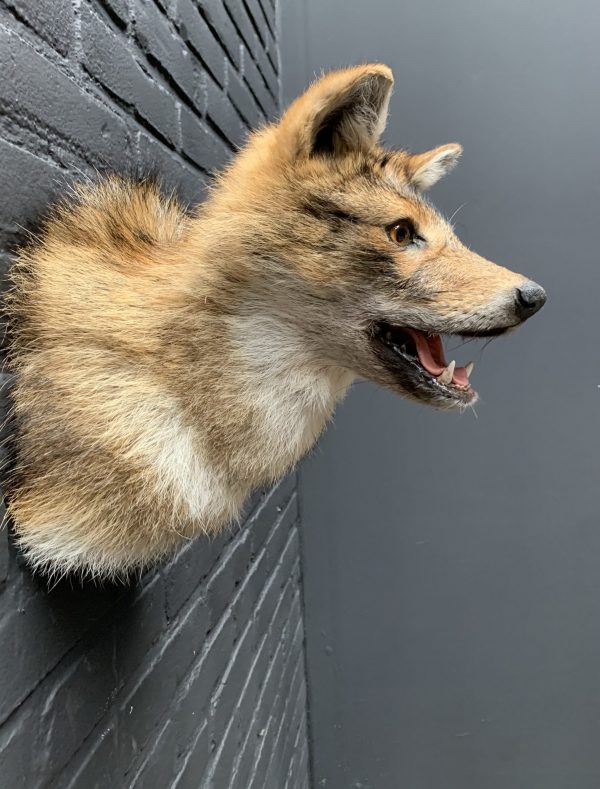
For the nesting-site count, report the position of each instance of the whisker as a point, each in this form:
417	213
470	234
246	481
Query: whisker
464	341
460	207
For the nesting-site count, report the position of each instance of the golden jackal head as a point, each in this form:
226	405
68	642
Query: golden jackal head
166	364
367	270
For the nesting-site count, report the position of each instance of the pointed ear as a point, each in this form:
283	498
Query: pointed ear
426	169
343	111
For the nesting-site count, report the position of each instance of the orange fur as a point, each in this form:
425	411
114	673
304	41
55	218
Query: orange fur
167	363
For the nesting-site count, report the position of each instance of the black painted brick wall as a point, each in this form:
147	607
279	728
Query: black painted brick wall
194	676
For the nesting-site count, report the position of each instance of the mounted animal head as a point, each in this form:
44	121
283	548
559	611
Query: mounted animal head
353	254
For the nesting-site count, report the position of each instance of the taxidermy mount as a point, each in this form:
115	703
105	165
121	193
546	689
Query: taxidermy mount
166	363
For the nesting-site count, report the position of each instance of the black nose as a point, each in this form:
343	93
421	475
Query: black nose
529	298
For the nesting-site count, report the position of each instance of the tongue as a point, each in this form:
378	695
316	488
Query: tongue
431	356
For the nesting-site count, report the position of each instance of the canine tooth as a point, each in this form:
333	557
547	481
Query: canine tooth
469	368
446	376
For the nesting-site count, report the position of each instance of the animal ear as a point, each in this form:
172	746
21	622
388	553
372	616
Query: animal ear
343	111
426	169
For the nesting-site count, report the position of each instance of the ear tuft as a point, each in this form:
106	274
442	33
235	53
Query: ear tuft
343	111
426	169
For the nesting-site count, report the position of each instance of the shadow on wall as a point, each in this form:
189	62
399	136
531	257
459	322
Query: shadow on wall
174	675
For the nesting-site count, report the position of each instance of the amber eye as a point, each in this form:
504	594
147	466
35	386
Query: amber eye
402	232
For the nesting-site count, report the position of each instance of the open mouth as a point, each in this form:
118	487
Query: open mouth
417	361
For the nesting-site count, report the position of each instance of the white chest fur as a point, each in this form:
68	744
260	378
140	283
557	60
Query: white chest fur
292	396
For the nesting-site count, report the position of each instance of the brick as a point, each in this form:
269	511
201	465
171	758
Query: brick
52	20
196	33
222	644
202	145
251	504
34	88
139	629
243	100
222	583
175	174
217	17
108	58
275	61
70	701
55	621
218	772
262	573
303	771
229	686
267	72
226	769
142	709
297	774
14	758
257	677
34	182
170	765
247	598
195	692
41	734
266	513
290	700
258	41
166	5
73	706
185	571
194	762
264	727
243	22
157	39
117	9
96	770
221	112
160	765
3	553
5	264
253	740
293	750
278	538
259	20
261	777
286	570
270	15
258	87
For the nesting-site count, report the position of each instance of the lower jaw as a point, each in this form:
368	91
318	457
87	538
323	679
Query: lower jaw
408	378
429	391
448	398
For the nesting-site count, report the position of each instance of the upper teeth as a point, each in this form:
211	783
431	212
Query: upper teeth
446	376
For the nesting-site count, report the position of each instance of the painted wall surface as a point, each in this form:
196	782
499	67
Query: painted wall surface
453	562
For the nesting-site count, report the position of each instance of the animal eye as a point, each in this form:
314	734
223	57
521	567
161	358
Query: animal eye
402	232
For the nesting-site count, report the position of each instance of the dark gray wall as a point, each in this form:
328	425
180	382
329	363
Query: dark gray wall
453	562
193	677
